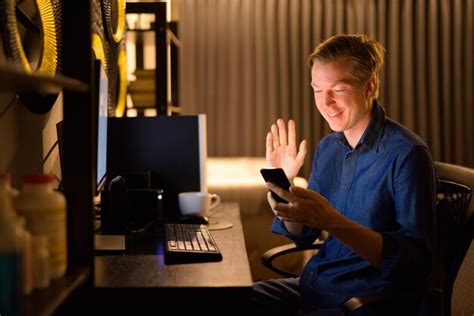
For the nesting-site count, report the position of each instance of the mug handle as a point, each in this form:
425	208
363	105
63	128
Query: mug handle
216	199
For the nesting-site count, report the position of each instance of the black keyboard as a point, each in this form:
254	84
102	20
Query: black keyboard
188	243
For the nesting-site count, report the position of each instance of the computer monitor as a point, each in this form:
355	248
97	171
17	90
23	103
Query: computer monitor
100	141
172	148
100	109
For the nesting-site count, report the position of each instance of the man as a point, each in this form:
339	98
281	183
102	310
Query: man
372	188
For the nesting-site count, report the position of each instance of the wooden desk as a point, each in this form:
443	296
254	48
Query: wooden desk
140	276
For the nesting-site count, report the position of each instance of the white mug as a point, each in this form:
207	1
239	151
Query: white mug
197	202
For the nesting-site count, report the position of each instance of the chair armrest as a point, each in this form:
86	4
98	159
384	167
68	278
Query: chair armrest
357	302
272	254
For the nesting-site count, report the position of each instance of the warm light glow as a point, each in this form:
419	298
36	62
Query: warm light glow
239	171
132	113
149	112
236	171
300	182
129	101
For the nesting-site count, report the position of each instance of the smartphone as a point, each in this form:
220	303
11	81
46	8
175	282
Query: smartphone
276	176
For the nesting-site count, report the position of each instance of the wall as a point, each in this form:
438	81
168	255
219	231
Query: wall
244	64
26	138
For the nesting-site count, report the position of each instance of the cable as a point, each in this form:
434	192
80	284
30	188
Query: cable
141	230
49	152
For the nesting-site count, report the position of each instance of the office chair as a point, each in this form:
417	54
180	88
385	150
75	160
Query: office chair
455	230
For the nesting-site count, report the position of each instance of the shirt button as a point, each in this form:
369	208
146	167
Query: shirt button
344	187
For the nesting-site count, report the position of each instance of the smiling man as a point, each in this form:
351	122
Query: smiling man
372	188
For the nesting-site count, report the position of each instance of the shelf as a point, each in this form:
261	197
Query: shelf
158	27
18	80
47	301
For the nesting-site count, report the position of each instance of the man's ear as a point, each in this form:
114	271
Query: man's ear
371	87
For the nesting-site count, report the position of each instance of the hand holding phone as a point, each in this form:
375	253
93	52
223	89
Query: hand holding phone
278	177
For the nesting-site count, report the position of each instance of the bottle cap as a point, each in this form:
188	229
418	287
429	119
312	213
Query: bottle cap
37	178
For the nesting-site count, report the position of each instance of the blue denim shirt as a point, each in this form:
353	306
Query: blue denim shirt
386	183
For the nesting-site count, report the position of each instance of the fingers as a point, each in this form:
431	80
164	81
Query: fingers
287	213
291	133
302	151
275	140
282	132
280	192
305	193
294	193
269	145
271	200
279	135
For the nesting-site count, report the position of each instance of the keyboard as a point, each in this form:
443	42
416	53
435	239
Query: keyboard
189	243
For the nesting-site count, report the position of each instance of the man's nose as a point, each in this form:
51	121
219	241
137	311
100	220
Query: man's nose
327	98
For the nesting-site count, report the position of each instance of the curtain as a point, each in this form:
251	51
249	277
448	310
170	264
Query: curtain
243	63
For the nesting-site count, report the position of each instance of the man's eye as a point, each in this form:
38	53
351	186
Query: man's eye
317	91
339	90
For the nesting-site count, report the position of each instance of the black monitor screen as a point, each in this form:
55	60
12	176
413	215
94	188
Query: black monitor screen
172	148
102	108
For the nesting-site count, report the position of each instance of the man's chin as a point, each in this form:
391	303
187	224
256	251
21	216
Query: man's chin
335	128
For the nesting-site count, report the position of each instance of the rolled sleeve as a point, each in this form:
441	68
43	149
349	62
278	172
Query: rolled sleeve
405	260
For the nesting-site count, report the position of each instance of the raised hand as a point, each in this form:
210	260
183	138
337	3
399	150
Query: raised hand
281	150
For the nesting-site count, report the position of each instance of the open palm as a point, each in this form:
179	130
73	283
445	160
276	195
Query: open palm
281	150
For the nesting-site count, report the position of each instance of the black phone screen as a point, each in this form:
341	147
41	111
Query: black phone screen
278	177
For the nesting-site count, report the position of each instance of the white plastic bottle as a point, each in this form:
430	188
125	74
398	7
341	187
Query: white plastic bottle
10	255
24	236
26	255
41	262
45	213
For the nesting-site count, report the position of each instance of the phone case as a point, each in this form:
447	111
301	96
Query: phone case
278	177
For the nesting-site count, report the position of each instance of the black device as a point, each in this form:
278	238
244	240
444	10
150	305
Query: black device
125	209
172	147
189	243
278	177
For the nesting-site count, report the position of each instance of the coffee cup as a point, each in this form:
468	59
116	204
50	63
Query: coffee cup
197	202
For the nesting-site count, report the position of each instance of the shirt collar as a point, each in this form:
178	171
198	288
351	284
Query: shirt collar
373	132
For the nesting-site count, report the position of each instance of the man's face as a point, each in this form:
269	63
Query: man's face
340	98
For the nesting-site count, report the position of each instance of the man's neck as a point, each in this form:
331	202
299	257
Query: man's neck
354	134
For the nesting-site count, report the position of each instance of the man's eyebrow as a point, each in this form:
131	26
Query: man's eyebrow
342	80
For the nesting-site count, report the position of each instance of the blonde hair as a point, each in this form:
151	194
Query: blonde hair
366	55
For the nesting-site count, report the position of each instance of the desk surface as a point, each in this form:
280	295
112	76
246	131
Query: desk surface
149	270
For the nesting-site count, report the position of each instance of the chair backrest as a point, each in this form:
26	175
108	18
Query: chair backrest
463	294
455	226
456	173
